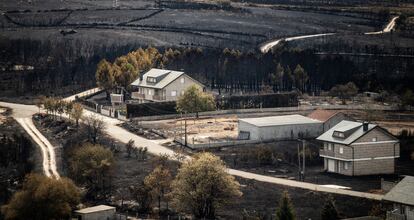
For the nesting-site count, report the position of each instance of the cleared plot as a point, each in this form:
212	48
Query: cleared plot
110	17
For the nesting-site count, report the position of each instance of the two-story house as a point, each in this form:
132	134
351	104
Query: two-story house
359	148
162	85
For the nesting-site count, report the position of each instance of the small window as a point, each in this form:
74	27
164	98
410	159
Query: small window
329	146
182	80
182	92
149	92
346	165
174	93
374	139
341	150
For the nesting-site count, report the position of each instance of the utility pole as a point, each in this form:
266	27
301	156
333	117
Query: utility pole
185	132
304	159
299	166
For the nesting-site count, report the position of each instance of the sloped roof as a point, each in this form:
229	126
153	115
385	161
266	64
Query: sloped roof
322	115
403	192
279	120
343	126
170	77
94	209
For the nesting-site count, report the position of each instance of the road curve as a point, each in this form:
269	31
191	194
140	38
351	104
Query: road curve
388	28
23	115
264	48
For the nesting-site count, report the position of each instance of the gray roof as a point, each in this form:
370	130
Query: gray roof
403	192
170	77
343	126
279	120
95	209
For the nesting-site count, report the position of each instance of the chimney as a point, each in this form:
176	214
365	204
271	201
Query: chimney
365	126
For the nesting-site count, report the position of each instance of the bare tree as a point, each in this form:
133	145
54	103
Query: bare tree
94	127
130	147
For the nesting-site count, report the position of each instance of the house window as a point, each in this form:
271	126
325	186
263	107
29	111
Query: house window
182	92
346	166
341	150
151	79
149	91
374	139
329	146
182	80
173	93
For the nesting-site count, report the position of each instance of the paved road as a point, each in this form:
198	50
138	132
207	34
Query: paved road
23	115
124	136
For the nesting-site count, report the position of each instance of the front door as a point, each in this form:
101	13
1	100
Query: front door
331	165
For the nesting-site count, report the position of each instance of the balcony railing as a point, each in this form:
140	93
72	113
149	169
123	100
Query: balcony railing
326	153
137	95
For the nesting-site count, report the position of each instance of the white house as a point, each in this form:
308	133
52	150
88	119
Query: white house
162	85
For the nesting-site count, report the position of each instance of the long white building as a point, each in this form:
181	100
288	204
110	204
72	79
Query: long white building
286	127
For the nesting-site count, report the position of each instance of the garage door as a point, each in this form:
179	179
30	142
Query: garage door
331	165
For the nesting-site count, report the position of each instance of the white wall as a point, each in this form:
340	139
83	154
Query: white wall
281	132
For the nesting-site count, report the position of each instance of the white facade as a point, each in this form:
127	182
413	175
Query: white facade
287	127
100	212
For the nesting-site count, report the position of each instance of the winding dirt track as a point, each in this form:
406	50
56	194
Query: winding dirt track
269	45
23	115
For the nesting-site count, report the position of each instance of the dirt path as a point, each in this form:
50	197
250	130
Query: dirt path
390	26
23	115
269	45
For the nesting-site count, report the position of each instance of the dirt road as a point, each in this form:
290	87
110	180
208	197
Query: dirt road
267	46
23	115
390	26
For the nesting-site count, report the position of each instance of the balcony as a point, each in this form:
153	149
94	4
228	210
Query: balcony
329	153
137	95
158	97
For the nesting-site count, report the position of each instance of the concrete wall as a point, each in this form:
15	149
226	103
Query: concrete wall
253	130
179	87
288	132
374	166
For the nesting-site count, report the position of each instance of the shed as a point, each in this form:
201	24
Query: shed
100	212
286	127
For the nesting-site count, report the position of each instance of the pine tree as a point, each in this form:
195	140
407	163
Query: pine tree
329	211
285	210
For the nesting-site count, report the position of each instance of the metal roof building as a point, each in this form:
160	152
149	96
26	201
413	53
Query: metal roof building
96	213
286	127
